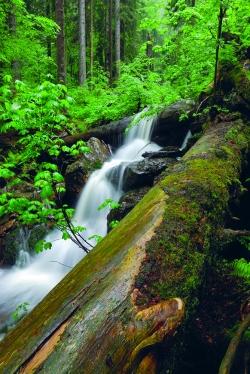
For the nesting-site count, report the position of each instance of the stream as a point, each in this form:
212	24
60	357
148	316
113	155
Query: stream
34	276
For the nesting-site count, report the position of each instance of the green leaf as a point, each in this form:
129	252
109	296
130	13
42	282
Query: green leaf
42	245
65	235
97	238
46	192
109	203
58	177
6	173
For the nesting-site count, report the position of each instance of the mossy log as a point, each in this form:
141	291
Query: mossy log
134	290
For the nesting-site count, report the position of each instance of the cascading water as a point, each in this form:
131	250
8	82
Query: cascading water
33	277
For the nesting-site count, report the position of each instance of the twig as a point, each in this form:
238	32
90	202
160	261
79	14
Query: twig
67	266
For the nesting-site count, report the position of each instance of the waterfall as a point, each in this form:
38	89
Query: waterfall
33	277
185	141
23	258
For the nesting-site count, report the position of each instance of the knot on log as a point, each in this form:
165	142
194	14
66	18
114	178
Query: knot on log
153	325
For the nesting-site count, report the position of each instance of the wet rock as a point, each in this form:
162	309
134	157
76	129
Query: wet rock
127	203
170	152
142	173
7	225
20	238
12	244
78	172
171	128
37	233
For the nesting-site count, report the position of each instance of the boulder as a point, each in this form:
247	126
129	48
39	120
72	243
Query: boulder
19	238
142	173
127	203
77	173
170	128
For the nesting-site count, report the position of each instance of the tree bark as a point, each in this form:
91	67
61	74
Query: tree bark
15	64
218	41
61	57
48	15
92	38
82	41
117	36
125	298
110	39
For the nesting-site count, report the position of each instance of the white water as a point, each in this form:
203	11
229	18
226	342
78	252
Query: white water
33	277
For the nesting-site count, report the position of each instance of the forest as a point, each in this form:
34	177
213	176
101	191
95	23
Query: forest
125	186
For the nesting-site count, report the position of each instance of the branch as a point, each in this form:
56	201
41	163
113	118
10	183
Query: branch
60	263
228	236
73	236
228	359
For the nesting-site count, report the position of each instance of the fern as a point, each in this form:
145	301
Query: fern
242	268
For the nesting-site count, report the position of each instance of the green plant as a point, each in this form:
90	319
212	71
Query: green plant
20	311
242	269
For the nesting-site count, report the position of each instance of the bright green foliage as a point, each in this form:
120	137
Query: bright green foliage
113	224
37	116
242	269
42	245
20	311
97	238
109	203
23	37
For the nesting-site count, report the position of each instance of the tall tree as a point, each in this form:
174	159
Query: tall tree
221	16
61	57
12	26
48	15
92	31
110	39
82	40
117	36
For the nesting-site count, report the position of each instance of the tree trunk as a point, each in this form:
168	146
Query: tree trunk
117	36
82	41
110	48
125	298
92	38
218	41
61	58
15	64
48	15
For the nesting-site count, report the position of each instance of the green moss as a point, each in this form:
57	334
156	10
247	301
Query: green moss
198	194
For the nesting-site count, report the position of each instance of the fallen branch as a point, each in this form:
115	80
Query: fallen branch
228	359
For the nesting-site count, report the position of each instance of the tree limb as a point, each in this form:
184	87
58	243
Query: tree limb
228	359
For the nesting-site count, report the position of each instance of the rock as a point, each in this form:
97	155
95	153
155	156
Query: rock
20	238
142	173
12	245
100	152
7	225
127	203
170	129
170	151
37	233
77	173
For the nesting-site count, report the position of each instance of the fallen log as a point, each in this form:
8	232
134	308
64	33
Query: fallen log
130	294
